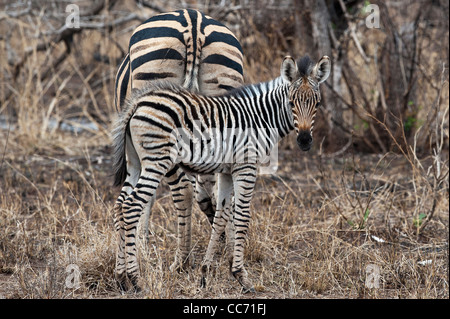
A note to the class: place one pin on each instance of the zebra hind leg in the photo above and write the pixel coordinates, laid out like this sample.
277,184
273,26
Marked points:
127,188
120,270
132,208
204,195
182,194
224,191
144,232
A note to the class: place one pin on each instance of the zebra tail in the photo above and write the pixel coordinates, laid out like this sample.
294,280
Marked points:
119,158
119,137
191,78
192,64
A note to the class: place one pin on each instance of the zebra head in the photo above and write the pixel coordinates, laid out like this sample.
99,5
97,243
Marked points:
304,94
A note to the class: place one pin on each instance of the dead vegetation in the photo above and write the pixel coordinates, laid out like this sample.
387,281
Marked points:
373,192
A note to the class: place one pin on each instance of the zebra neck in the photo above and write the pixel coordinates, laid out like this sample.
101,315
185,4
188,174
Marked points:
275,107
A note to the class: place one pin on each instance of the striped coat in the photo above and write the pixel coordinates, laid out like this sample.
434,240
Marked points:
185,47
190,49
229,134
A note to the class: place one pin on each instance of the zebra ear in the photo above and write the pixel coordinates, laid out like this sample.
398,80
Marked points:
289,70
322,69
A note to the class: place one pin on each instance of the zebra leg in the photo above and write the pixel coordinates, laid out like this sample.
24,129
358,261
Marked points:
145,221
182,195
133,171
204,195
244,179
224,191
230,231
120,269
132,208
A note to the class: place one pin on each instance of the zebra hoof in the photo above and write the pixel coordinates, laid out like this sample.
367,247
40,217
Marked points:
135,286
203,282
121,280
122,285
125,286
250,290
205,270
242,277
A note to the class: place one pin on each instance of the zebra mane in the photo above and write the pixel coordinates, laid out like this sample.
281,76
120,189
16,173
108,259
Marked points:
254,89
243,91
305,66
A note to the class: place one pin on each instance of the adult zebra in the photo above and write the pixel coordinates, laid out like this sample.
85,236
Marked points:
191,49
185,47
240,127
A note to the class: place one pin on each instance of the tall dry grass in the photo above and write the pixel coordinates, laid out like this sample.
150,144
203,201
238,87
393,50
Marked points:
301,242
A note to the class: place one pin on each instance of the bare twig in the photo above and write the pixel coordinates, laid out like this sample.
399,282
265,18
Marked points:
16,14
65,29
150,5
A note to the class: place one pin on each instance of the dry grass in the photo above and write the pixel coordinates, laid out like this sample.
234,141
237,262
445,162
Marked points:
316,226
309,236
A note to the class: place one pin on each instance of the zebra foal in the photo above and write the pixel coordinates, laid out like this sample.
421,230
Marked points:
167,125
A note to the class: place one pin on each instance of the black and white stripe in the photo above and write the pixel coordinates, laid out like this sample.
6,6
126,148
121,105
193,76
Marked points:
188,48
168,125
185,47
191,49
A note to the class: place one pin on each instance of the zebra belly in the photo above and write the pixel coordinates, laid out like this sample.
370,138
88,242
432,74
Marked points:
205,169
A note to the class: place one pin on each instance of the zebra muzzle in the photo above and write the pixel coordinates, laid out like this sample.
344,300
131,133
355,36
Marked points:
304,140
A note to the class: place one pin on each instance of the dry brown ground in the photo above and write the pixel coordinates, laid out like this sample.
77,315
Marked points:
316,227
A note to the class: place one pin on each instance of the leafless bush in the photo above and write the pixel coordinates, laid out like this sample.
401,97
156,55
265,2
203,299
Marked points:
389,74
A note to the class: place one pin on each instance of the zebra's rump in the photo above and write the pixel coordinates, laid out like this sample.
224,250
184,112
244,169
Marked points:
187,48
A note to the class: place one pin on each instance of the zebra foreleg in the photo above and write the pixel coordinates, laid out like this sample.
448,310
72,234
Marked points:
230,231
244,180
